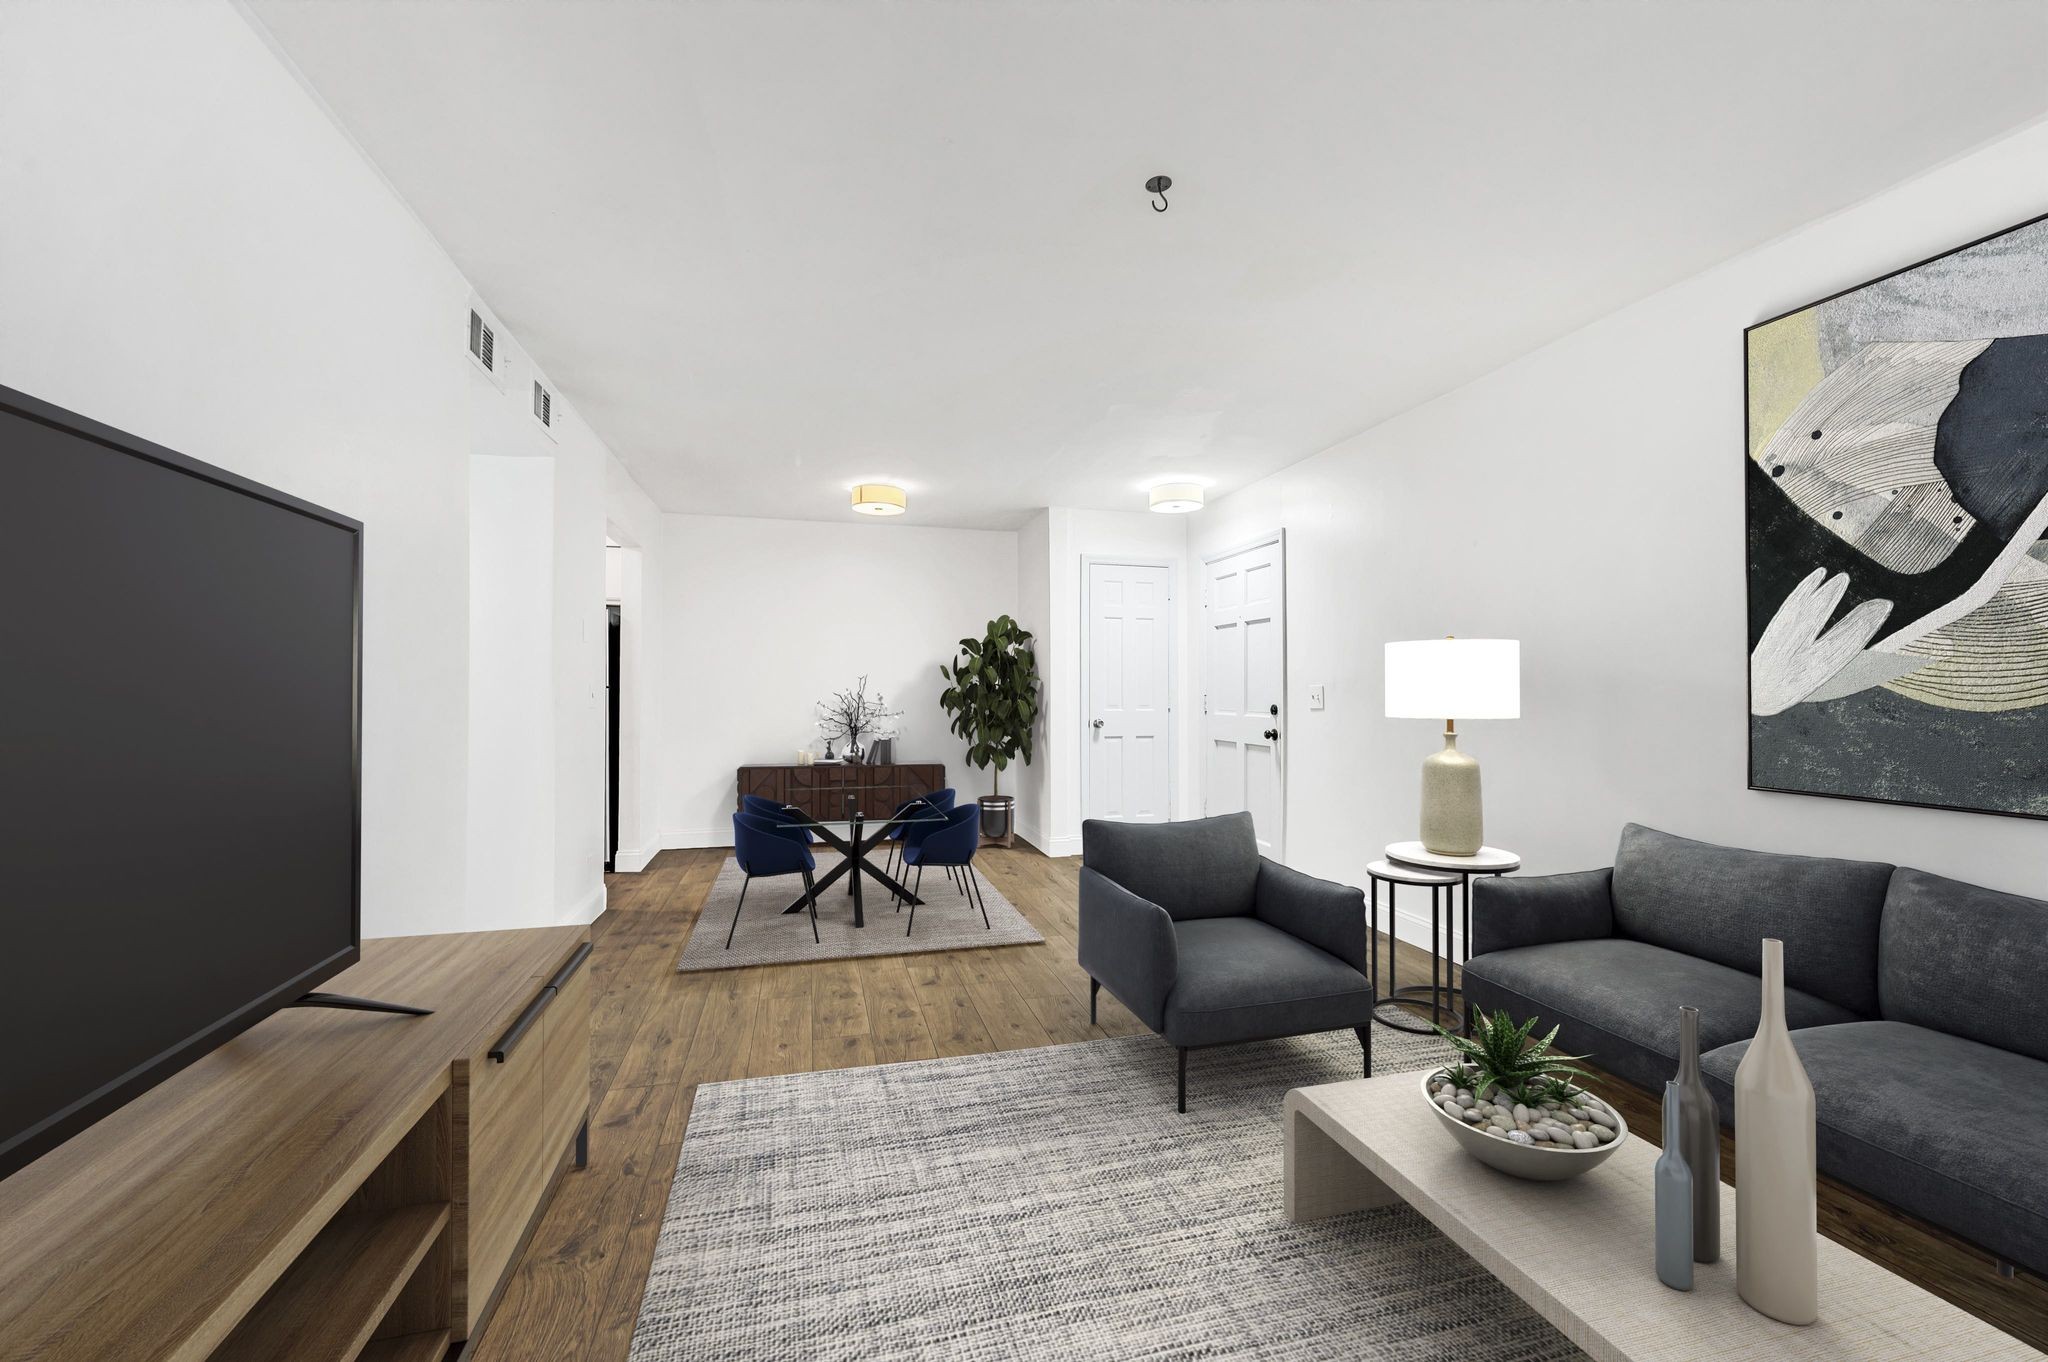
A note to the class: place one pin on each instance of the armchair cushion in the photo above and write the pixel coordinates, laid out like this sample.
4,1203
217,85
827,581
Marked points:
1243,979
1207,867
1127,944
1329,916
1539,909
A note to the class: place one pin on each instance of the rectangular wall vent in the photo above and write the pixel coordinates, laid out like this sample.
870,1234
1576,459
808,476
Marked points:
483,343
543,405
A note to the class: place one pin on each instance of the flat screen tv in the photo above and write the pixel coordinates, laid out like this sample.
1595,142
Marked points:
180,705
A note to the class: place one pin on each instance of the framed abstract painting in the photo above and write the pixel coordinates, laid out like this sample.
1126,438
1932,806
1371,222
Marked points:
1896,476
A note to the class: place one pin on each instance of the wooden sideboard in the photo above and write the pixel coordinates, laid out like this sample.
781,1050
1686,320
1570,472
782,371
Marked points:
828,791
328,1185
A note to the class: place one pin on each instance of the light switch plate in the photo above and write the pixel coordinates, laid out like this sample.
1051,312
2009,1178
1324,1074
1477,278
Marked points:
1315,697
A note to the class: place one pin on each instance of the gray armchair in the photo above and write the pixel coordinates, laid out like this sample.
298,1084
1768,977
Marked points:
1210,943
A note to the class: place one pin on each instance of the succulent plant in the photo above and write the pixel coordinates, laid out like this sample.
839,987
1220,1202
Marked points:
1500,1057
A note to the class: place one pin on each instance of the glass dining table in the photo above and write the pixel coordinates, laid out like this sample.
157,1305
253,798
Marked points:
862,836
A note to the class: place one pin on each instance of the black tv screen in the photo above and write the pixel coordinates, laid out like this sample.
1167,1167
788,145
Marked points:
179,754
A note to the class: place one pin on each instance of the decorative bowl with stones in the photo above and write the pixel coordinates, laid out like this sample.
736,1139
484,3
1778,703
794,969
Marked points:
1545,1142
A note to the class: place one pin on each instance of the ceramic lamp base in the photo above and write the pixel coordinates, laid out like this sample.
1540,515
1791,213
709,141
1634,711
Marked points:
1451,822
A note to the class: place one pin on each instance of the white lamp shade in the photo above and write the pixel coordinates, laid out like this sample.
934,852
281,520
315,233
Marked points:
1455,678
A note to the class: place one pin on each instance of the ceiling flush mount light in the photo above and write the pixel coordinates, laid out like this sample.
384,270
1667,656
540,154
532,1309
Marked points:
879,498
1176,498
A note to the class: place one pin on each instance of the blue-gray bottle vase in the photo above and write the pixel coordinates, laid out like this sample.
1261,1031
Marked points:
1699,1140
1674,1203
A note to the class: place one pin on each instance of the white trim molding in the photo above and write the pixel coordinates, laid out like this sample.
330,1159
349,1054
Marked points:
633,862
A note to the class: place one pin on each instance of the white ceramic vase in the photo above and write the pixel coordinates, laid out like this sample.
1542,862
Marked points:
1776,1248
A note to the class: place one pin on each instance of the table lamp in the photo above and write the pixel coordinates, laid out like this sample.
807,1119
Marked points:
1452,679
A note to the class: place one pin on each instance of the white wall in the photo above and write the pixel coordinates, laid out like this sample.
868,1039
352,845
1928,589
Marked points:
632,518
1588,500
511,691
192,251
760,619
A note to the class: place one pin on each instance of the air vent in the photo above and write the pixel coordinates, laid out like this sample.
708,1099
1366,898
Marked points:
543,406
483,342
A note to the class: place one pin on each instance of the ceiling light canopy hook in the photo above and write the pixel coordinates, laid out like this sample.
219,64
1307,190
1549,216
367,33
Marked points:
1159,184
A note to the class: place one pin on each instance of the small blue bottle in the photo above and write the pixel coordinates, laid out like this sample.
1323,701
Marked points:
1674,1201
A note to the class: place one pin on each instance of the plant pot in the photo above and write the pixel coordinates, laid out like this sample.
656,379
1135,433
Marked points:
1537,1163
998,819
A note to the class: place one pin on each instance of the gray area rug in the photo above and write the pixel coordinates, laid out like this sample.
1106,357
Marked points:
946,922
1050,1203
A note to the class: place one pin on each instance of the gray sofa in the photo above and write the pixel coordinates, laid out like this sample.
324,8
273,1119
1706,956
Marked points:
1912,999
1210,943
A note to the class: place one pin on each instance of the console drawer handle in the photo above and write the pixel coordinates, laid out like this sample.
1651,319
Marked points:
538,1005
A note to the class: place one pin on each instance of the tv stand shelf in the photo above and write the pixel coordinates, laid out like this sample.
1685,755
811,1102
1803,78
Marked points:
328,1185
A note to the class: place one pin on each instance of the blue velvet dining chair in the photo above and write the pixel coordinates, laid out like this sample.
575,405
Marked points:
951,844
765,850
939,800
779,814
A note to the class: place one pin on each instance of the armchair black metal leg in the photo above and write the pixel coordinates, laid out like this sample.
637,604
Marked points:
736,911
917,892
1094,987
1183,1099
1365,1044
811,897
979,901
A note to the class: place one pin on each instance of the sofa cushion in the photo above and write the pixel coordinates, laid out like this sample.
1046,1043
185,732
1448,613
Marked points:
1936,1125
1241,979
1719,903
1617,1001
1204,867
1964,959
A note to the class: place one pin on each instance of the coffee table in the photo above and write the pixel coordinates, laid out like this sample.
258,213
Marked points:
1580,1252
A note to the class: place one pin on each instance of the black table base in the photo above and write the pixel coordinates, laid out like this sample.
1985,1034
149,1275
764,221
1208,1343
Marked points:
854,848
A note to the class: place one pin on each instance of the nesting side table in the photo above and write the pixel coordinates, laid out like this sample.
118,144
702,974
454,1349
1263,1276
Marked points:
1440,885
1455,930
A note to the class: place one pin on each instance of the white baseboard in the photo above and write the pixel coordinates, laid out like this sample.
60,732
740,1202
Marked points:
684,839
633,862
1059,846
587,911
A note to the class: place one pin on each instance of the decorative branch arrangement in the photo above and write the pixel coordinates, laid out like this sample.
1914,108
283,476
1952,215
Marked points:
853,714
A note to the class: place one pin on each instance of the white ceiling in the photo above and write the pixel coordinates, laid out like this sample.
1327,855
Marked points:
769,249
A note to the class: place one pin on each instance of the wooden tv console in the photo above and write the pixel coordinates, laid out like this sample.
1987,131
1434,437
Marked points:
327,1185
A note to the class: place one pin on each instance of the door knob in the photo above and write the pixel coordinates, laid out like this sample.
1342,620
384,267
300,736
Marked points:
1272,735
1098,723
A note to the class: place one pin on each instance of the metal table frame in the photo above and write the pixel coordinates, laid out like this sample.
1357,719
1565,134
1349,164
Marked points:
854,848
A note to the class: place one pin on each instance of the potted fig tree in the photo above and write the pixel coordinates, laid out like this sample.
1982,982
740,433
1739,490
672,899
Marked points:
991,697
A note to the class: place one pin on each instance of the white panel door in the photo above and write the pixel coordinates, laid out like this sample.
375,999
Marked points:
1129,682
1244,687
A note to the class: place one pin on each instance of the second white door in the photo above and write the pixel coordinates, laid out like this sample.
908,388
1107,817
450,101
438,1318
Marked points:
1129,689
1244,685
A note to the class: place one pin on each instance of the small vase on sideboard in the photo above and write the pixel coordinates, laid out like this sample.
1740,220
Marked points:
1699,1140
1777,1256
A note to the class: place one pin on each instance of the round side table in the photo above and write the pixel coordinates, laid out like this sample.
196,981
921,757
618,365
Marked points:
1486,861
1437,991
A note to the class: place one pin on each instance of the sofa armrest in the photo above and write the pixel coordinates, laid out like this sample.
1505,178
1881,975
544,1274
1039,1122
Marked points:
1127,944
1327,915
1535,910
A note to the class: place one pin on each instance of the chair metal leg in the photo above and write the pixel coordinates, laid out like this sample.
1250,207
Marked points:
1365,1044
811,898
1094,987
736,911
1183,1099
979,901
917,891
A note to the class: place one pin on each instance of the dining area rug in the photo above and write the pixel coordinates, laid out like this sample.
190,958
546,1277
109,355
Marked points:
947,921
1051,1203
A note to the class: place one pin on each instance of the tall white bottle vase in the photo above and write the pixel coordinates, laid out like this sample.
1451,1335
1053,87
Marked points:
1776,1246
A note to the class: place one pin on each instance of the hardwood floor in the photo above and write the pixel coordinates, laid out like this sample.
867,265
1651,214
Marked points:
658,1034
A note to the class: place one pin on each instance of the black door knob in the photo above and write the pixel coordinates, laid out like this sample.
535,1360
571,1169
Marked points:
1272,735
